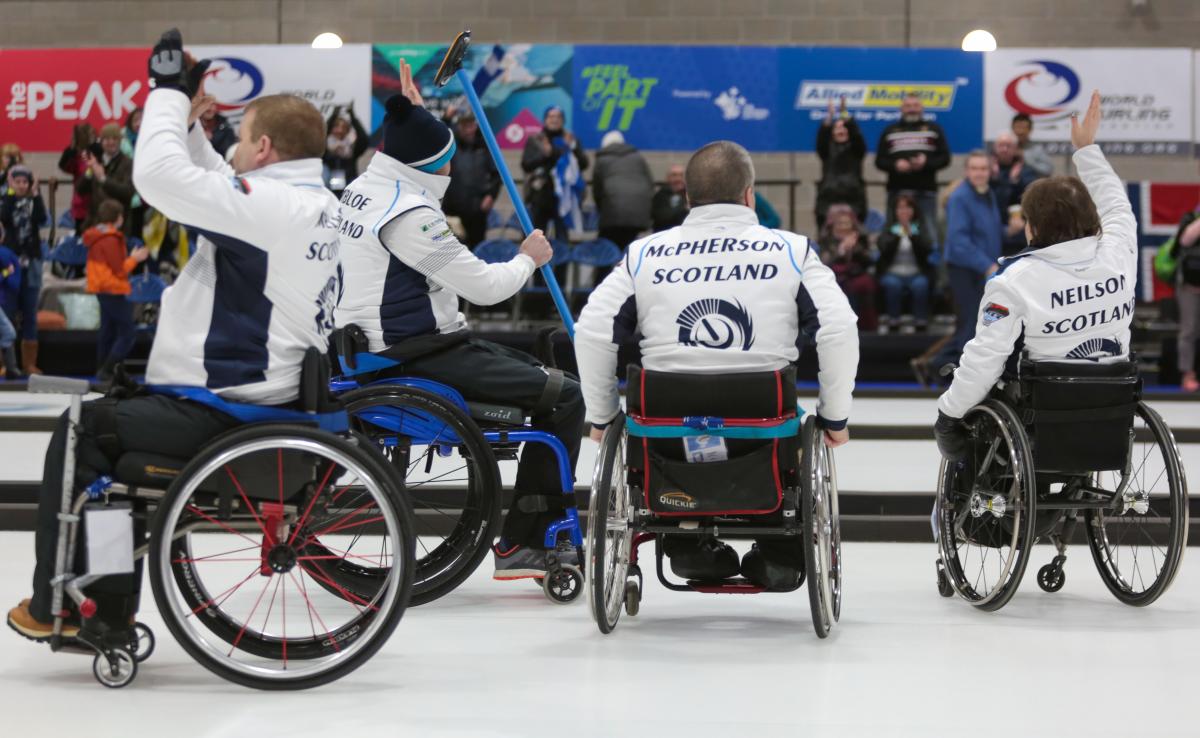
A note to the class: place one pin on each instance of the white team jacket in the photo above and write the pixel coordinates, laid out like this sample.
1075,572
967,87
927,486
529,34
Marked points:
265,279
405,269
719,294
1072,301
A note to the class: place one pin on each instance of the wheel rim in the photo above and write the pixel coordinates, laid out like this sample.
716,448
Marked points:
979,572
116,674
291,627
835,538
1137,545
611,544
821,528
429,475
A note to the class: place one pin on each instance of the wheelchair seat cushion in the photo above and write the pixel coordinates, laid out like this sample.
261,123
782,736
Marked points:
139,469
749,480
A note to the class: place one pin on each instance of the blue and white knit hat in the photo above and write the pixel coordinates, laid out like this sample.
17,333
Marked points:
413,136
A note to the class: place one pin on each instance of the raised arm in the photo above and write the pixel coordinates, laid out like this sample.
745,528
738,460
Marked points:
1117,224
825,314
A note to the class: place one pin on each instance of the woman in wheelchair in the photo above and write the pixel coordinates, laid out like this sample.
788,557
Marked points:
721,306
1061,433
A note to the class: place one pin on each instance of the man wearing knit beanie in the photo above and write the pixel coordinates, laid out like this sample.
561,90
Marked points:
405,271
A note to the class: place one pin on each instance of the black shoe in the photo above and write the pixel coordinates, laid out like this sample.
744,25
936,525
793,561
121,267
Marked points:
704,559
775,565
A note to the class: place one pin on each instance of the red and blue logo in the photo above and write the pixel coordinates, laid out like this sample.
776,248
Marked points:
233,81
1043,92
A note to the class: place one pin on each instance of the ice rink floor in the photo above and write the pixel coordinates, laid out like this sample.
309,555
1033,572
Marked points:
497,659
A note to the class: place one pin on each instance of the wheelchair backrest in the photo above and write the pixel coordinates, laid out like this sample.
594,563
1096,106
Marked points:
1079,414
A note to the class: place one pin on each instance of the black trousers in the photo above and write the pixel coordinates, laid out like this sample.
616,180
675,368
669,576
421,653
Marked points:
117,331
152,424
488,372
967,286
474,227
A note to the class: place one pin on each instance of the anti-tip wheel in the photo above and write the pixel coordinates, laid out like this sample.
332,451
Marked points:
633,598
115,669
1051,578
563,585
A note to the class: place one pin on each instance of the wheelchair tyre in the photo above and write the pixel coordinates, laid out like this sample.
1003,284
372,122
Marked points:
1002,461
633,598
563,584
115,668
1051,578
945,589
609,536
207,547
1138,551
474,521
821,529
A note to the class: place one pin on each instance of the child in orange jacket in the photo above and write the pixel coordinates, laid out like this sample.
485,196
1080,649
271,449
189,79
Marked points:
108,268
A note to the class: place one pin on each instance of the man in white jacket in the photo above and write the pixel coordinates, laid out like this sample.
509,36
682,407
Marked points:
1070,296
405,271
259,291
721,294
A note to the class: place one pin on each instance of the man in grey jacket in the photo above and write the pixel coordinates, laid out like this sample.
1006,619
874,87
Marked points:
623,189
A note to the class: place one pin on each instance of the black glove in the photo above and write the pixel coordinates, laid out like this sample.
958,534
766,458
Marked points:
195,76
167,66
951,435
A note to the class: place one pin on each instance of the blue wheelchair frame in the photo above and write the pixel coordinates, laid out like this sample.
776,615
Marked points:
423,429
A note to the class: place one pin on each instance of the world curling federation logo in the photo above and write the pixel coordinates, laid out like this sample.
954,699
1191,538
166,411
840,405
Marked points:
716,324
1043,92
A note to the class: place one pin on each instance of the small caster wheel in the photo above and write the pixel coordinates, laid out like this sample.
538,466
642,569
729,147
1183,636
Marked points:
115,668
943,581
633,598
142,643
1051,578
563,584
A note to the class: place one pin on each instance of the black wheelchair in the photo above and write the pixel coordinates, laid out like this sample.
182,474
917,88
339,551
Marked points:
1057,444
242,541
777,483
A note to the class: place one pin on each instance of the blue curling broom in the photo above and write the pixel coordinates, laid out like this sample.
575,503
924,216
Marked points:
452,67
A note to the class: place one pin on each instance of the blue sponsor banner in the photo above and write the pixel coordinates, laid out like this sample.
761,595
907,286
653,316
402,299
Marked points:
677,97
874,81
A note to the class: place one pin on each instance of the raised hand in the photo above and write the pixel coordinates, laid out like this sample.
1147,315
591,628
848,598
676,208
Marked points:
408,87
1084,133
166,64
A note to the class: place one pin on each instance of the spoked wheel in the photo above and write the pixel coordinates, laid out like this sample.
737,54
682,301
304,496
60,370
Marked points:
1138,543
986,508
821,527
450,476
609,538
237,575
115,668
142,642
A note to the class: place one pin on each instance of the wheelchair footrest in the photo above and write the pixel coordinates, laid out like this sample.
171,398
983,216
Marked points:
730,586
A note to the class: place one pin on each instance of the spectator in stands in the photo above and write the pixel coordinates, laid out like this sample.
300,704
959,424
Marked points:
10,289
670,205
10,156
623,189
221,135
74,163
474,181
110,173
912,151
768,216
845,248
1178,263
1009,179
554,162
347,141
842,148
974,236
903,265
1037,161
22,214
137,209
108,267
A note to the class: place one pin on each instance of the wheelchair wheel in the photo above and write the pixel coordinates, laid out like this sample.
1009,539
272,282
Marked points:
115,668
609,538
821,529
1137,546
986,508
233,563
449,475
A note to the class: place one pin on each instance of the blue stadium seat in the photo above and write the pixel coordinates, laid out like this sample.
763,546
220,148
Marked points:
66,221
70,251
494,220
496,250
146,288
875,221
598,253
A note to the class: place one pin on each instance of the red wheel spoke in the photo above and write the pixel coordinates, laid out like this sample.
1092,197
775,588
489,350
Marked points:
226,594
316,493
214,556
245,499
313,611
271,605
222,526
246,622
339,528
346,594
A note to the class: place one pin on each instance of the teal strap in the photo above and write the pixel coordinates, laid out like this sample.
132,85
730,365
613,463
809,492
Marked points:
786,429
